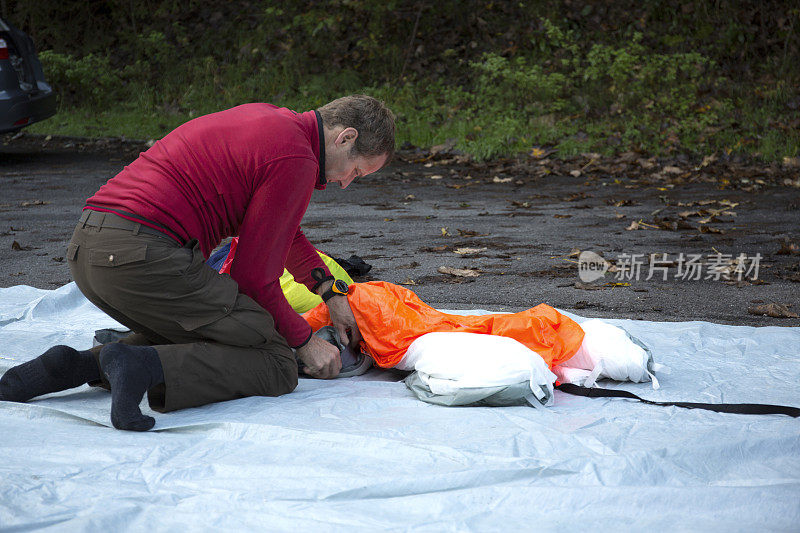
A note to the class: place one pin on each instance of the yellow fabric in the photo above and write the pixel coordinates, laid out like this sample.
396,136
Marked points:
299,297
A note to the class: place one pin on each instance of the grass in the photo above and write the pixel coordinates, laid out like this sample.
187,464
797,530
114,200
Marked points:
127,123
752,124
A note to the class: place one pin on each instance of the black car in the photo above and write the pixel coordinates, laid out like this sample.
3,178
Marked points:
25,97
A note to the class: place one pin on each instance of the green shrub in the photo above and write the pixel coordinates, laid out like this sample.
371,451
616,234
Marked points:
87,81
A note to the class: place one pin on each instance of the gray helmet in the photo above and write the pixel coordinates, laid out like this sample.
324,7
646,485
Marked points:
353,363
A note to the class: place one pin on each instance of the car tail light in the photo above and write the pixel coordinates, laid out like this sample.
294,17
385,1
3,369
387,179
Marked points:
22,121
3,49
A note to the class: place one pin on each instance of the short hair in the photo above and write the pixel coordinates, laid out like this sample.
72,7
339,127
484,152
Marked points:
369,116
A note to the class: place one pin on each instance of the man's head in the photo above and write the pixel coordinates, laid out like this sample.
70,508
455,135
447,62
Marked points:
359,137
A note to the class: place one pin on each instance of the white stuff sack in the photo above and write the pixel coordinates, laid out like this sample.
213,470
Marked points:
609,352
451,364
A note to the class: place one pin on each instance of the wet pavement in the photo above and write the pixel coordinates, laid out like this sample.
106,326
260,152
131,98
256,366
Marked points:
500,236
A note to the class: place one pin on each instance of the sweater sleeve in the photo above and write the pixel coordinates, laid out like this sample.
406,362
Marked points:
302,259
268,230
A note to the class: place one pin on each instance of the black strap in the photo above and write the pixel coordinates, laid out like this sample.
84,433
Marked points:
319,275
736,408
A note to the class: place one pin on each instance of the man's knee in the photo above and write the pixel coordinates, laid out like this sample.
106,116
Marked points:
286,374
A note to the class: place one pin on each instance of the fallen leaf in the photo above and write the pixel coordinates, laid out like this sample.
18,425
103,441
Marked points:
707,160
574,197
647,163
709,229
445,233
33,202
515,203
459,272
409,281
575,173
410,197
634,225
672,170
538,153
775,310
446,146
388,219
793,162
618,203
788,248
16,246
468,251
498,179
470,233
561,216
436,177
618,215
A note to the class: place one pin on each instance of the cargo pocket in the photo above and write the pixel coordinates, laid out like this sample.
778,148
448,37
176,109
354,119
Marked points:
247,325
117,257
72,251
210,296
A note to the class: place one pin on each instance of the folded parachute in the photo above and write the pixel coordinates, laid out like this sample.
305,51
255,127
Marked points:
391,317
457,368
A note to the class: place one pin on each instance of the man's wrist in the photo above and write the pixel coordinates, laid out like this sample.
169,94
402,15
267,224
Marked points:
337,288
320,277
323,287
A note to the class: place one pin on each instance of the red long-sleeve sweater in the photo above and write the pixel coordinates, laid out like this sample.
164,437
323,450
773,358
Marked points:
248,171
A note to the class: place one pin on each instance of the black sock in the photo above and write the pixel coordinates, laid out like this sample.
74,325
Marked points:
59,368
132,371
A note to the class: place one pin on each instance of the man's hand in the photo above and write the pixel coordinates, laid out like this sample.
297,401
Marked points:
321,358
342,318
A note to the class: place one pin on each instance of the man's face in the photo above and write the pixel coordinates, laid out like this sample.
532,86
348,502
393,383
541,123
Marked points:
341,166
347,168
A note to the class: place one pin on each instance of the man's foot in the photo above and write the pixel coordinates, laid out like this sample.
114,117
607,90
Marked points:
132,371
59,368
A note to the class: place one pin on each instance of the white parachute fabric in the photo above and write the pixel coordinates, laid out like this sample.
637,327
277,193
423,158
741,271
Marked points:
458,368
608,351
365,454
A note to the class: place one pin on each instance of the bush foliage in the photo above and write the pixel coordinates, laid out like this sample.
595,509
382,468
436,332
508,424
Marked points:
498,77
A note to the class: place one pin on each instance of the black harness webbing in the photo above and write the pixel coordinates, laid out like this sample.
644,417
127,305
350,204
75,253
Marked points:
736,408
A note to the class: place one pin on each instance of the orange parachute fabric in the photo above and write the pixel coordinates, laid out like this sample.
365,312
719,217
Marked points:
391,317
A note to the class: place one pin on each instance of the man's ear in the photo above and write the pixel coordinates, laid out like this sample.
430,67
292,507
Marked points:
347,135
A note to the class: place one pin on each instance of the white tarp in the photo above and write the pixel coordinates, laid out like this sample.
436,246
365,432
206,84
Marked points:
365,454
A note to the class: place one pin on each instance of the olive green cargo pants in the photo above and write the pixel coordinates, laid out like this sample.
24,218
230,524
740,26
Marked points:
214,343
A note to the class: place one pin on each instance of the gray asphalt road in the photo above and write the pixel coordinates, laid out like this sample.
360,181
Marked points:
410,219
